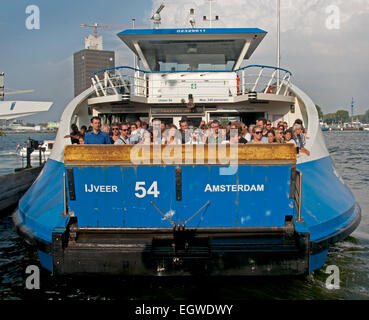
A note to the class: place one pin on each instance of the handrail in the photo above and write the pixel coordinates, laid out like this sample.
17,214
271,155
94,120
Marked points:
194,71
120,67
136,82
263,66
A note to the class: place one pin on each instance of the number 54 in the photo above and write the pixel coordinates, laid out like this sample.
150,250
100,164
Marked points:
140,187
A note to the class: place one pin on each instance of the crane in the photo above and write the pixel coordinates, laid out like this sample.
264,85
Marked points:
3,94
2,88
101,25
19,91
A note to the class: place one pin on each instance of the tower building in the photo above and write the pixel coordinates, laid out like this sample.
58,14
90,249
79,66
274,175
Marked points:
90,60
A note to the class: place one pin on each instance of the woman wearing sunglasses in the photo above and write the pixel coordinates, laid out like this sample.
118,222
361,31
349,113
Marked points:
257,134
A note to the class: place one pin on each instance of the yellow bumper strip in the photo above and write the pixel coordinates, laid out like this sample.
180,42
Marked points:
97,155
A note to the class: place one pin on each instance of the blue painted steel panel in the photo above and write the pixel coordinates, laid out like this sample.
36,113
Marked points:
327,203
46,260
262,199
317,260
236,208
42,206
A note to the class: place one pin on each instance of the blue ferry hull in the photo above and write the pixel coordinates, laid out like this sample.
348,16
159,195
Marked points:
329,213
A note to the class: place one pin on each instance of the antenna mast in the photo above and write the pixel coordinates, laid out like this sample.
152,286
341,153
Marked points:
192,18
2,76
210,13
352,110
210,16
134,55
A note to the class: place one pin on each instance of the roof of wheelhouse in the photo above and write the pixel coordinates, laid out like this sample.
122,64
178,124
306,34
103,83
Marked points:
192,48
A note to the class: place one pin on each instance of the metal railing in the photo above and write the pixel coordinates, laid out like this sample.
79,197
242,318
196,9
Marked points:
264,79
128,82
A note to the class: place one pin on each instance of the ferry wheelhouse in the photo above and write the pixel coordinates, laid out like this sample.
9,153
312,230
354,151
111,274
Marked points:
198,209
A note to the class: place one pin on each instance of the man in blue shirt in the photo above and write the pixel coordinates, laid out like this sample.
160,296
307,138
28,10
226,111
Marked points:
96,136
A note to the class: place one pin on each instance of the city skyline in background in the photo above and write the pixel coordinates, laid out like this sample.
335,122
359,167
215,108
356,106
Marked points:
323,43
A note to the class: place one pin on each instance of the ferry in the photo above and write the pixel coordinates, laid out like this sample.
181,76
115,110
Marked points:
44,146
253,209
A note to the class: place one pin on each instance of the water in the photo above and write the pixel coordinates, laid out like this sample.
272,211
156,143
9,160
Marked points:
8,155
349,150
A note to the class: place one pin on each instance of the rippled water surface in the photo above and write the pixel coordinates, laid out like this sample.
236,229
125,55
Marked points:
350,152
8,145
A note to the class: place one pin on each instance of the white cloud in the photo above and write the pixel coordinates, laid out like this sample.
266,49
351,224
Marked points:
300,15
329,64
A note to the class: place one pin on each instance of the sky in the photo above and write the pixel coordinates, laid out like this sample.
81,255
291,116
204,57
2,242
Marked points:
324,43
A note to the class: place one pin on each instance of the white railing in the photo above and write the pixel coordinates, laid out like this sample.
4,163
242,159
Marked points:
129,82
264,79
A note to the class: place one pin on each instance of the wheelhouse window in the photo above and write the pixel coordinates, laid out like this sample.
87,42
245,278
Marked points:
194,55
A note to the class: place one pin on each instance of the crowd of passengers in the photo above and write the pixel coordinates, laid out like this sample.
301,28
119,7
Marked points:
214,132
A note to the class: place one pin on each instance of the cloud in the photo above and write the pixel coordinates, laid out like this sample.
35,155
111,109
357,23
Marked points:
329,64
298,15
323,42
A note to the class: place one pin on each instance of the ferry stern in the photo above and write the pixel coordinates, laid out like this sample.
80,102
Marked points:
191,209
